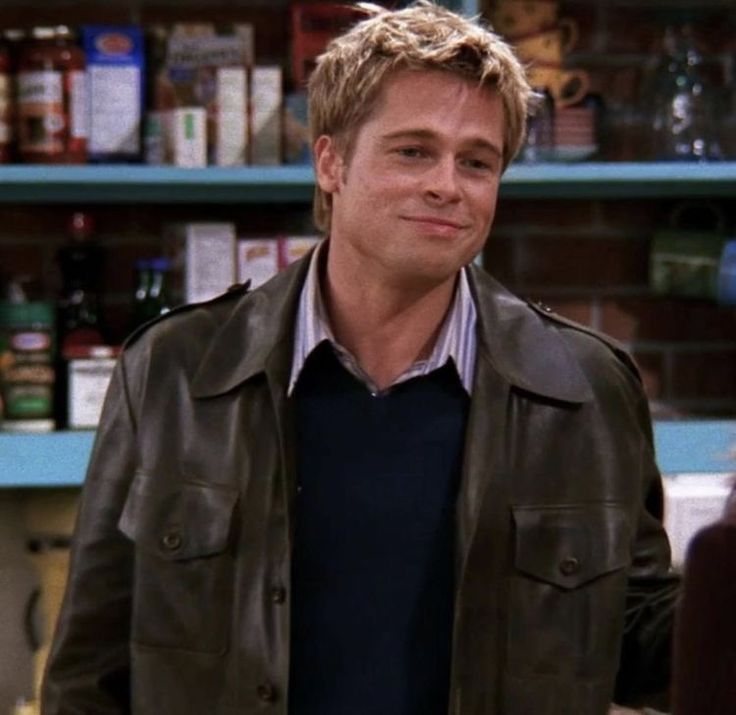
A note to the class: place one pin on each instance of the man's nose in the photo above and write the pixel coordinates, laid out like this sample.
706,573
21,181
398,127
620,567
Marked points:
442,181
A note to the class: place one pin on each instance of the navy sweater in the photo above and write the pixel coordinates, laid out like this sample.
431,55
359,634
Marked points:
373,562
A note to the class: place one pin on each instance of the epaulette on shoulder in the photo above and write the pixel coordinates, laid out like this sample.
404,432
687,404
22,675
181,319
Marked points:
233,292
614,345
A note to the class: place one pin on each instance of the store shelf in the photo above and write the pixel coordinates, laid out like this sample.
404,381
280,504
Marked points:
620,180
282,184
59,459
56,459
131,184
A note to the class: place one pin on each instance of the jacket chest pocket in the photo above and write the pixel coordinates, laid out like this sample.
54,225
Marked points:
183,582
567,591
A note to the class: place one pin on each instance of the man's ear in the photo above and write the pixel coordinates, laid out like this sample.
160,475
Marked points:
328,164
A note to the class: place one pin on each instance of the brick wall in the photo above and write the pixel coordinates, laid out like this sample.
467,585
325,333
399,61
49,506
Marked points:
589,261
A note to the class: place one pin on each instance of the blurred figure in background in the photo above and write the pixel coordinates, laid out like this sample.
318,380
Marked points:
704,677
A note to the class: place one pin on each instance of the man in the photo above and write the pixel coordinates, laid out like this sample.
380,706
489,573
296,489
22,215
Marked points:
379,484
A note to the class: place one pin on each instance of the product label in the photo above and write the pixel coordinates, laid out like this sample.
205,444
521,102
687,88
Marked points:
213,51
41,117
190,136
27,374
112,44
5,109
115,110
266,115
88,383
30,341
231,123
78,104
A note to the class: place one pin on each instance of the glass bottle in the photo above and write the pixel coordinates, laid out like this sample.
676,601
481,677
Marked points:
151,297
81,261
683,111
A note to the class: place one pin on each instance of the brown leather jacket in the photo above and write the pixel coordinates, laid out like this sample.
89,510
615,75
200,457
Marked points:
178,598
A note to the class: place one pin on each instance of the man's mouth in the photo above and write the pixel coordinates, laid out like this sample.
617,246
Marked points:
436,221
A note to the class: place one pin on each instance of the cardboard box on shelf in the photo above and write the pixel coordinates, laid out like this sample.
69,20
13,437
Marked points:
692,501
266,115
292,248
90,370
258,260
204,258
115,67
204,65
187,127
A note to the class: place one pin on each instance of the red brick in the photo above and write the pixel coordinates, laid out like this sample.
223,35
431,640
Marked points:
631,217
704,375
77,13
117,321
498,256
572,262
119,273
631,29
18,260
579,309
651,367
547,214
667,319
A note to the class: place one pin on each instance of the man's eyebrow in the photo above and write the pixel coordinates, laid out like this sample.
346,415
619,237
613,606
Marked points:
426,134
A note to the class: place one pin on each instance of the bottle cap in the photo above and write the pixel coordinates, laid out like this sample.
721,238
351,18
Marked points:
160,264
81,226
43,33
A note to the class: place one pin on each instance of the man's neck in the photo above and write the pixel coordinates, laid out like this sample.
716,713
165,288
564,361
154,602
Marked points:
386,326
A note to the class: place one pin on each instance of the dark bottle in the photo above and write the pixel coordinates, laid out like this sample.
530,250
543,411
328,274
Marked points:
151,297
81,261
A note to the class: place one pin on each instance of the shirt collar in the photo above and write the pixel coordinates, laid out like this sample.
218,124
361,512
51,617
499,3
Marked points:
457,338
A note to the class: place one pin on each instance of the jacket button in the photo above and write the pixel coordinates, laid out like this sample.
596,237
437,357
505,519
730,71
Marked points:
266,692
569,566
277,594
171,540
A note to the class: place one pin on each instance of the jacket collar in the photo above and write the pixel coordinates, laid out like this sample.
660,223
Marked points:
524,348
257,337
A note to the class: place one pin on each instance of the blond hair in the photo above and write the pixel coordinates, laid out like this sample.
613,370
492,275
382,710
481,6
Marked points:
346,83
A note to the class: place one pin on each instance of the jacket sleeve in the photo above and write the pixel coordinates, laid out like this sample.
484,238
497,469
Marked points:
88,668
645,665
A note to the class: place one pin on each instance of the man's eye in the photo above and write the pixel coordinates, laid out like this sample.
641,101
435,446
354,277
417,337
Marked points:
478,165
411,152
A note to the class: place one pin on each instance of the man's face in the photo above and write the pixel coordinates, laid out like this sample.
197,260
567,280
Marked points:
416,198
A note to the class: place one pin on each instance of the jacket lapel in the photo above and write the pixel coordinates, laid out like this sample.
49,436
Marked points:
523,347
257,336
516,351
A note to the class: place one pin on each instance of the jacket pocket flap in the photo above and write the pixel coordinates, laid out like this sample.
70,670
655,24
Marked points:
570,545
188,521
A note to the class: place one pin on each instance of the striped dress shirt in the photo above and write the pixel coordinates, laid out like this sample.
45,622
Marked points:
456,341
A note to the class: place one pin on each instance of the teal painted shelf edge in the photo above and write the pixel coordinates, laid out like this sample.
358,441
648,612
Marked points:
166,184
55,459
59,459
